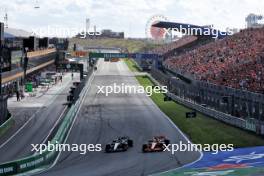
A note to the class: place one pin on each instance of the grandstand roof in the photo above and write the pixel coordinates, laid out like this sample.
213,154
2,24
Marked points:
13,33
179,26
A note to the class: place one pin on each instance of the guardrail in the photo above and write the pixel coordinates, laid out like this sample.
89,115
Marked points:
229,119
137,64
47,157
210,112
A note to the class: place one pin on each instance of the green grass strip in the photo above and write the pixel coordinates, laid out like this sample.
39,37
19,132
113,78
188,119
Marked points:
202,129
132,65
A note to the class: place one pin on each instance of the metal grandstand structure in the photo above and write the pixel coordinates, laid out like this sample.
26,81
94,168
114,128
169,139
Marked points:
190,29
253,20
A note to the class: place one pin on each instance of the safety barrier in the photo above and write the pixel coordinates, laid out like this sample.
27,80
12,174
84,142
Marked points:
211,112
229,119
197,93
47,157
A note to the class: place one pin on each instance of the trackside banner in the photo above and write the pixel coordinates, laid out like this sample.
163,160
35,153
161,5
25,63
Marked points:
124,55
242,162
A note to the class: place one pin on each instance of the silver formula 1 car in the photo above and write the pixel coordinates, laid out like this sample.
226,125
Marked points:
121,144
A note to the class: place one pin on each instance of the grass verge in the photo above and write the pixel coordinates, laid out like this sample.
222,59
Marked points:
132,45
132,65
202,129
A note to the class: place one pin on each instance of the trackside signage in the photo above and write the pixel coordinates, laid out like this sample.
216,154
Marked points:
239,162
8,169
124,55
31,163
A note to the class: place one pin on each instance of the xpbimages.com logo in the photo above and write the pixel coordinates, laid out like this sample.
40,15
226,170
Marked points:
183,147
131,89
58,147
164,31
56,30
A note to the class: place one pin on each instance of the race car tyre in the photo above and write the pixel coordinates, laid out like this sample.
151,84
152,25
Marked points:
167,141
144,147
130,143
107,148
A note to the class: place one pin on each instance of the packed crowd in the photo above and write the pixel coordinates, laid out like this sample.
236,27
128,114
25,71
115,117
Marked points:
171,46
236,61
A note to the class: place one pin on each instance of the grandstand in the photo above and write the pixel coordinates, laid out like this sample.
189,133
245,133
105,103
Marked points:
168,48
236,61
224,74
182,45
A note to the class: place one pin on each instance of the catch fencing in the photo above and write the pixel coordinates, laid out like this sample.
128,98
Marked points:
240,108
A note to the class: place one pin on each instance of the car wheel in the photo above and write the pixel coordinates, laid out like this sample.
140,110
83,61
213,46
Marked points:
167,141
144,147
107,148
130,143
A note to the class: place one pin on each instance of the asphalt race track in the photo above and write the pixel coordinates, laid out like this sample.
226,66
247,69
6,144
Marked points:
36,130
103,118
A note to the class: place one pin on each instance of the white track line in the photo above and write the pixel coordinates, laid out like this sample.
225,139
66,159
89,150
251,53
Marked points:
32,117
174,125
20,128
65,108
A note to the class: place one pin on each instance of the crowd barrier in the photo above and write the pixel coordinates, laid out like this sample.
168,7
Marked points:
187,94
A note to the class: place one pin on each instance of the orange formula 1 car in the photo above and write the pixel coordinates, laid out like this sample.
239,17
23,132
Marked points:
157,144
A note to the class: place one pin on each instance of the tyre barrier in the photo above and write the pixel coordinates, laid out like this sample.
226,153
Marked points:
47,157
